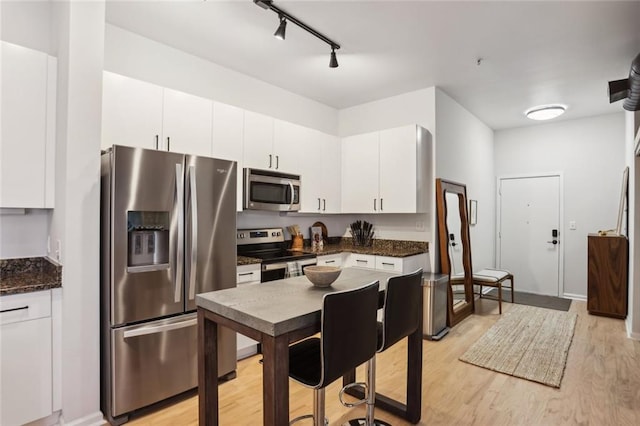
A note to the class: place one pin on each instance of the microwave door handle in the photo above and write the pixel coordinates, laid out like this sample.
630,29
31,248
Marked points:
291,187
194,232
177,296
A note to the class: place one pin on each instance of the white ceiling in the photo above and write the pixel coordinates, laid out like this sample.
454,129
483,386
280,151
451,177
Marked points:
536,52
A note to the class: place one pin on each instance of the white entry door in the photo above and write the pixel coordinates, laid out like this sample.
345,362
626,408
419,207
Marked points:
529,243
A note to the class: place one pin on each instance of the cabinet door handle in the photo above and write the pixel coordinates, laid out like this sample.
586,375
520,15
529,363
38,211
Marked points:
277,161
362,261
157,141
329,261
244,274
14,309
324,204
387,263
318,203
168,143
374,205
381,204
270,160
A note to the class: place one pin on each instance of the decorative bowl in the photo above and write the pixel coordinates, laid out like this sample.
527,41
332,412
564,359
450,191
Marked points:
322,276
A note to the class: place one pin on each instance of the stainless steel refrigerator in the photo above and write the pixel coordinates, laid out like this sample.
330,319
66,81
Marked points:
168,232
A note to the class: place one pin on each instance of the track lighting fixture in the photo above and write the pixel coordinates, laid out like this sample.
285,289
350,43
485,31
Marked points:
333,62
282,28
284,17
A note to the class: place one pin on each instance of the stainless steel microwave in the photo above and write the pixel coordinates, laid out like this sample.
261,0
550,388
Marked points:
270,190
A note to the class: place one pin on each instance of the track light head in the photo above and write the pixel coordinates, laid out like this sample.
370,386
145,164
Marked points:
333,62
282,28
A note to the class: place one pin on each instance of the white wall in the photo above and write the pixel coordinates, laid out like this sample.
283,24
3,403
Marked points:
24,234
633,316
26,23
464,154
79,31
139,57
590,152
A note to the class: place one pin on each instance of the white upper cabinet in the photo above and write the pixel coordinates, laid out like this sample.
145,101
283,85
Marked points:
320,160
228,135
287,146
397,168
131,112
386,171
27,138
186,123
331,174
140,114
258,141
271,144
360,173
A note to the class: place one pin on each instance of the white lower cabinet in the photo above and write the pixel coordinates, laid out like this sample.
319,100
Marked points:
247,274
402,265
331,260
26,354
361,260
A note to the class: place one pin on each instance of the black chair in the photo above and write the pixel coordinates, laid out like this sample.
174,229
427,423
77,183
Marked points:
402,313
348,338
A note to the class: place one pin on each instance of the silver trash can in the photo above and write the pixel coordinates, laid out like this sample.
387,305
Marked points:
434,290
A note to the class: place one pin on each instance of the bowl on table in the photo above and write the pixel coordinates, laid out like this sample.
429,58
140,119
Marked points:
322,276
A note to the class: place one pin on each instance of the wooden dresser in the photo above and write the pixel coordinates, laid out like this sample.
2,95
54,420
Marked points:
607,276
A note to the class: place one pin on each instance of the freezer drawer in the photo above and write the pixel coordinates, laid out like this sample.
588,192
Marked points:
152,362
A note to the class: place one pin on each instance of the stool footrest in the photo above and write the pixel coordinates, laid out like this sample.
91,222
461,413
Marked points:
363,422
347,388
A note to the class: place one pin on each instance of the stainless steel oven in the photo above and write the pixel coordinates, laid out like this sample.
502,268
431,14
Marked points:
269,190
280,269
278,261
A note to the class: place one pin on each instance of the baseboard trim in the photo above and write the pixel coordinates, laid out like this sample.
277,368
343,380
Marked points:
631,334
575,296
94,419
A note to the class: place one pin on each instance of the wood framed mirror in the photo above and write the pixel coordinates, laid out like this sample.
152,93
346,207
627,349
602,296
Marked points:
455,248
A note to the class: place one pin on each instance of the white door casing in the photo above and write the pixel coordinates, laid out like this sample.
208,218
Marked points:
529,208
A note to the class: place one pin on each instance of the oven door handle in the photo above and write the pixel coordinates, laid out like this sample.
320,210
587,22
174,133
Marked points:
274,266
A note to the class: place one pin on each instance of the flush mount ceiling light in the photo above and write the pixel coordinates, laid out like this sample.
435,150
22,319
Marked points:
284,17
545,112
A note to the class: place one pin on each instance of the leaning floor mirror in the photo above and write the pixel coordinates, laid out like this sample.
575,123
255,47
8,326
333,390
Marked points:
455,248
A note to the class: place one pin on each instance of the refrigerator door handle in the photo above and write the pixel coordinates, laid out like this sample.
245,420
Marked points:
144,331
194,232
177,296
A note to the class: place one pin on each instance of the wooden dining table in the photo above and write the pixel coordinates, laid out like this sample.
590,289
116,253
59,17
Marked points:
276,314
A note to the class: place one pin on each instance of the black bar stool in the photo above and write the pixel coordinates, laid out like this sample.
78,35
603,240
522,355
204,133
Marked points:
401,317
348,338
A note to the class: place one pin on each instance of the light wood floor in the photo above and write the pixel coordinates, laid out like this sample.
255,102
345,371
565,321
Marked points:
601,385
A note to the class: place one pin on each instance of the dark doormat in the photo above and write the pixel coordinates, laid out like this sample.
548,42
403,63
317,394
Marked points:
521,298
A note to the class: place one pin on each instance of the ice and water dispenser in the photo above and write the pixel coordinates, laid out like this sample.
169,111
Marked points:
148,241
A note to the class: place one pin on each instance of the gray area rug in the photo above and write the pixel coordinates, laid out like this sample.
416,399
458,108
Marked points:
530,299
526,342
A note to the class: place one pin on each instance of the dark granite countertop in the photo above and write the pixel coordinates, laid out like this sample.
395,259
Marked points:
28,275
391,248
244,260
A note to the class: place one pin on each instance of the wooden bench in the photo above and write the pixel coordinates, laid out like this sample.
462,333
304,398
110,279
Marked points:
494,278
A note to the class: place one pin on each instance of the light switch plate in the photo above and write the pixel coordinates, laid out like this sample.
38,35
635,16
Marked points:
572,225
